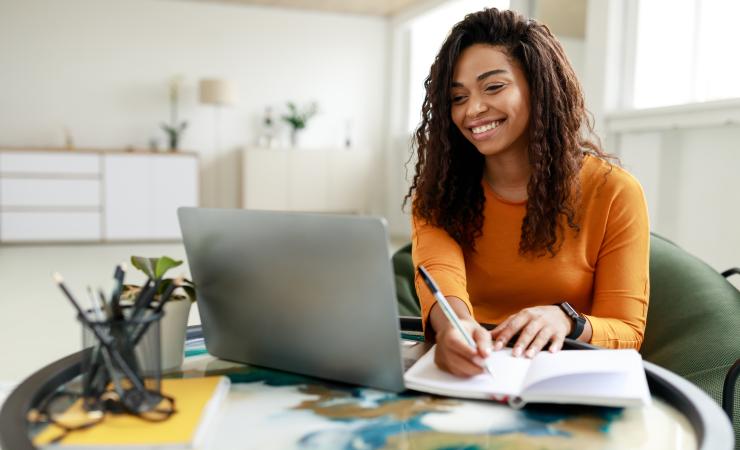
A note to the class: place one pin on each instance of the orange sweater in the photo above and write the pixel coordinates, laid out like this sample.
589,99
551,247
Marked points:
602,270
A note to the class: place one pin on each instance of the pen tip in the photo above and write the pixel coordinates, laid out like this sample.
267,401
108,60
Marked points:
124,267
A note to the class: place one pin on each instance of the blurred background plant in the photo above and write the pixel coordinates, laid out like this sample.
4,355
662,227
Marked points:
175,128
298,118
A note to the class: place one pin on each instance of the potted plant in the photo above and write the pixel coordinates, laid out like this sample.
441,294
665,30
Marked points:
175,128
173,324
298,119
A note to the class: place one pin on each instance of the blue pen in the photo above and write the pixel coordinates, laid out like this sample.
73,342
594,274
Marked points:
449,312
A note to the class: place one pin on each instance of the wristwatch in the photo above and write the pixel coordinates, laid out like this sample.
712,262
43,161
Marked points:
578,320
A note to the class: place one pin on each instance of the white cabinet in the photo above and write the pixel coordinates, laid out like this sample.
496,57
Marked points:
143,192
50,196
94,195
306,180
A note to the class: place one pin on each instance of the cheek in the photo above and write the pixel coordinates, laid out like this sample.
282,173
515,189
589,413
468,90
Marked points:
458,118
521,110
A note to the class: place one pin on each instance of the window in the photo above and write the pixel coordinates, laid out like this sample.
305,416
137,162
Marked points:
685,52
426,34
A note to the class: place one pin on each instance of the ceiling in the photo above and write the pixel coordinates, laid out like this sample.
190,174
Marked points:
370,7
566,18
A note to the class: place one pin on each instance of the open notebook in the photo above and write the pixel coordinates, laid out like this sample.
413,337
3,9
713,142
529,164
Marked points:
588,377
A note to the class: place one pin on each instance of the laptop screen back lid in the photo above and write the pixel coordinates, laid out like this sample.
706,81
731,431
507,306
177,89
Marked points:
306,293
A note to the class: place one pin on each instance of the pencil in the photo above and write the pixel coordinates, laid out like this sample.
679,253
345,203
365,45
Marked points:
449,312
117,356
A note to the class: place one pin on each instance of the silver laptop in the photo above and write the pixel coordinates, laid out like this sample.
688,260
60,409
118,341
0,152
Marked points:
306,293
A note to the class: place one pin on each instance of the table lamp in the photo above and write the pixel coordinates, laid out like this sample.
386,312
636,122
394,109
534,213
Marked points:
217,92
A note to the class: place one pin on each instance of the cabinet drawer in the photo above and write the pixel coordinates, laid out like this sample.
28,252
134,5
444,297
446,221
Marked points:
37,192
49,163
49,226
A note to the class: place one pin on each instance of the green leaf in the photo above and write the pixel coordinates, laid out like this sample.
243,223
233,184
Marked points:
163,264
144,264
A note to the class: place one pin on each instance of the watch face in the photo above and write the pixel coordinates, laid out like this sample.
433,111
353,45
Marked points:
569,310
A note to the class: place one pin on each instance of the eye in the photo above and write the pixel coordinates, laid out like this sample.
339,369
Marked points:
457,99
494,87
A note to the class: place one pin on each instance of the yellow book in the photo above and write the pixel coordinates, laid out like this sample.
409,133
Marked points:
196,402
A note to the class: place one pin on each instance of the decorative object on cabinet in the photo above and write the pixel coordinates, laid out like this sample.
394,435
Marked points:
56,195
69,142
267,138
298,119
175,128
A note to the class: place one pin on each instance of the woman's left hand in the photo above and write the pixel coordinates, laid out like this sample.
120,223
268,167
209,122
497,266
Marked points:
537,326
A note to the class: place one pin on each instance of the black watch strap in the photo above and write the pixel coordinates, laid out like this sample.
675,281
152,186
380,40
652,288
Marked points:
579,322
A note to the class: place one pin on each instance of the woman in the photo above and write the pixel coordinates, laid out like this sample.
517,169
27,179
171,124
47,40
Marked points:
517,214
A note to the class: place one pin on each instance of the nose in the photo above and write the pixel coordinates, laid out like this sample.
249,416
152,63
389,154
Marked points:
476,106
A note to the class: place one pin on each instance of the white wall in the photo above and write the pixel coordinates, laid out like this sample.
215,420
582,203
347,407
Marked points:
101,68
686,157
690,178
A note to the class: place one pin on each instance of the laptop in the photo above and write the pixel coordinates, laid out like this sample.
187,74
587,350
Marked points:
312,294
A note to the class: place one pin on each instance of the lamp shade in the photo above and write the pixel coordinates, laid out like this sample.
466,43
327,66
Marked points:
215,91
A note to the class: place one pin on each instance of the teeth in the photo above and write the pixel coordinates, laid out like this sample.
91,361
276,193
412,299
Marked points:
487,127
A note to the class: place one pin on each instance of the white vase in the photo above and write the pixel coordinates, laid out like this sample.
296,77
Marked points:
173,328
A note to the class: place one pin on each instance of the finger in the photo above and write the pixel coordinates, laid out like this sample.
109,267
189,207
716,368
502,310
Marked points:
514,325
483,342
526,336
457,343
542,338
457,365
498,328
557,342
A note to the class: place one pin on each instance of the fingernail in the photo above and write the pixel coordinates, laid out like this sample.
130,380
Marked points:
487,348
517,350
478,361
498,345
530,353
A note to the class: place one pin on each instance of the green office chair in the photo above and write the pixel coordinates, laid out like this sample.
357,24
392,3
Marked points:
693,323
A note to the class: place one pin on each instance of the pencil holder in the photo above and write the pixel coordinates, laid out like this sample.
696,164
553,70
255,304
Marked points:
124,364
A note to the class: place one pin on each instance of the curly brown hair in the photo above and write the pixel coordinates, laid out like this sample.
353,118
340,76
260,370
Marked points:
446,188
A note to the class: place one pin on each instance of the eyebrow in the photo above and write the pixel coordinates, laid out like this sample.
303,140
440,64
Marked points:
482,76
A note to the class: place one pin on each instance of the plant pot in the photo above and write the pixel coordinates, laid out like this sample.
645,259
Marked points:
173,328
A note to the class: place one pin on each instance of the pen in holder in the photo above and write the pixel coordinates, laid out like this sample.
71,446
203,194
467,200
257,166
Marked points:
122,371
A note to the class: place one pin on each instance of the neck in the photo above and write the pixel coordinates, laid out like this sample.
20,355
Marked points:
508,174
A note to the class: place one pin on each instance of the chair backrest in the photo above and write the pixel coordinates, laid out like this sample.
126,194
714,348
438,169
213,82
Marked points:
693,322
403,267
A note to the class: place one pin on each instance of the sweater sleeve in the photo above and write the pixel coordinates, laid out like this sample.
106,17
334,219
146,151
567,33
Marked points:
621,283
443,258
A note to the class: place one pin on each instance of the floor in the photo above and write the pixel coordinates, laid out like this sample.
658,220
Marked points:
37,323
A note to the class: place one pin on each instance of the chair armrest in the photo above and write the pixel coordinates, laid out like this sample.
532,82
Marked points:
728,390
729,272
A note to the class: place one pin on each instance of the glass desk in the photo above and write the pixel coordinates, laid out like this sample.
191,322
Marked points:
279,410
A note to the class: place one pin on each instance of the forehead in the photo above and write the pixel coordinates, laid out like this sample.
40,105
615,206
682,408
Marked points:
478,59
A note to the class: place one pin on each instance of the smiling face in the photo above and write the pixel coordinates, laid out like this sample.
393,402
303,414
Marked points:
489,99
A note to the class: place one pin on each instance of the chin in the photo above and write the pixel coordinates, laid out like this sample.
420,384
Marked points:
488,148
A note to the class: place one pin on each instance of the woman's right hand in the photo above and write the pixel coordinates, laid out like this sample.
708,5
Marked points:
453,354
